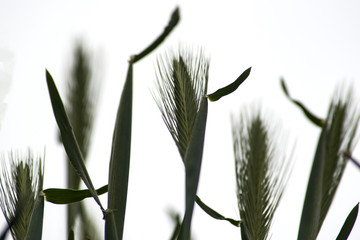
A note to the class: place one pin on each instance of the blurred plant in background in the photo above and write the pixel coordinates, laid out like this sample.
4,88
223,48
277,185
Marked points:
80,106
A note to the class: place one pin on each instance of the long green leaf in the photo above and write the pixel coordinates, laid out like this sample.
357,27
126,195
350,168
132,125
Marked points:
193,159
120,162
229,88
68,137
314,119
310,217
175,17
66,196
348,224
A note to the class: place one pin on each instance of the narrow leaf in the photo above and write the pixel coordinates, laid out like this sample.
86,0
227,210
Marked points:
68,137
348,224
314,119
66,196
229,88
175,17
193,159
211,212
310,217
120,162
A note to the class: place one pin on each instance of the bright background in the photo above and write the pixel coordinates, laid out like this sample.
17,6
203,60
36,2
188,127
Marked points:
314,45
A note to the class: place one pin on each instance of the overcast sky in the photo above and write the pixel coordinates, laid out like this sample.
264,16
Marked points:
314,45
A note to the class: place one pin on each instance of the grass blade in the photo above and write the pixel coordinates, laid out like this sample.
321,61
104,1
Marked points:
66,196
314,119
175,17
193,159
120,162
229,88
348,224
310,217
68,138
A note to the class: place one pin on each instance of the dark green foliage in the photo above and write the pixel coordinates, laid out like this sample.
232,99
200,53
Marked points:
66,196
174,20
314,119
120,163
348,224
229,88
70,144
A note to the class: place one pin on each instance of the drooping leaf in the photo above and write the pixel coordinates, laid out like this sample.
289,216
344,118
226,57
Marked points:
215,214
66,196
229,88
193,159
120,163
348,224
174,20
314,119
68,138
260,177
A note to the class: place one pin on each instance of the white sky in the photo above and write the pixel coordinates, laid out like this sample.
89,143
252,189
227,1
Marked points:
314,45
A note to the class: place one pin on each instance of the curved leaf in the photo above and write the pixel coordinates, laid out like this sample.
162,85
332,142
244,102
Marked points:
229,88
68,137
211,212
175,17
314,119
